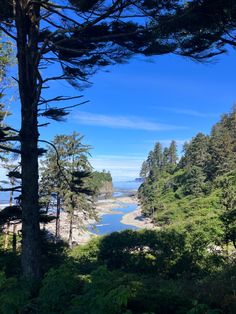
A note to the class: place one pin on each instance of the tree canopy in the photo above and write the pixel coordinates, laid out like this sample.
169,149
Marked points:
200,29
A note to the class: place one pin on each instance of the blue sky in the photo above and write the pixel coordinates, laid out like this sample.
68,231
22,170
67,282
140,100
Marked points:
134,105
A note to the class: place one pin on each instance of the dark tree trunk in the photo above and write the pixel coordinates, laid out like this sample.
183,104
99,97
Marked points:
7,236
47,207
11,193
14,239
27,54
71,228
58,217
30,208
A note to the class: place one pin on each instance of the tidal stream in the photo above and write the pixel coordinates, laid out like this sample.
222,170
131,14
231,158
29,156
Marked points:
112,222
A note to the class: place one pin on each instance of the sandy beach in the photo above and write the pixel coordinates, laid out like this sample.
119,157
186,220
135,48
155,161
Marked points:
136,218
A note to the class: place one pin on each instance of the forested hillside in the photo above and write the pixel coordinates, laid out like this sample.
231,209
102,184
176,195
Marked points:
197,193
102,183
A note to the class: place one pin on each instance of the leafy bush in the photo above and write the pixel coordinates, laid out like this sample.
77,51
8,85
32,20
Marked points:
106,292
14,295
58,289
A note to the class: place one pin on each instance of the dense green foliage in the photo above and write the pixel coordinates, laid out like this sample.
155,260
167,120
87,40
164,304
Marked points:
197,194
128,272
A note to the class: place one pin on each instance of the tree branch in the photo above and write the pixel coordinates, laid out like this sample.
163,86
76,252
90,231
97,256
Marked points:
60,14
76,105
12,150
59,98
10,139
16,188
7,33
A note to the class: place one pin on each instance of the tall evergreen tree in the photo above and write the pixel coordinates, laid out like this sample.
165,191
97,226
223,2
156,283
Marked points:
223,145
64,172
144,170
165,158
150,162
196,151
5,56
194,181
158,155
173,153
228,204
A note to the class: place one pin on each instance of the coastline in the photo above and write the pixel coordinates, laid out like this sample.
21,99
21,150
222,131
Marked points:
80,233
103,207
107,206
136,218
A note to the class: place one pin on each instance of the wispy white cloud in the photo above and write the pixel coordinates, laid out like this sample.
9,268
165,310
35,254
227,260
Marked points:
123,122
121,167
189,112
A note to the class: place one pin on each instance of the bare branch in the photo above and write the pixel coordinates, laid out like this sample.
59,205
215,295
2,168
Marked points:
59,98
7,33
53,5
52,23
8,128
53,78
16,188
60,14
73,106
44,124
116,7
228,41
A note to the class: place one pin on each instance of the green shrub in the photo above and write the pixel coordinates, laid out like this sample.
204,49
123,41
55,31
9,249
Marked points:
58,289
14,295
106,292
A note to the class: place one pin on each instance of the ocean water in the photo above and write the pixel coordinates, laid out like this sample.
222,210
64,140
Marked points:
124,188
120,186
